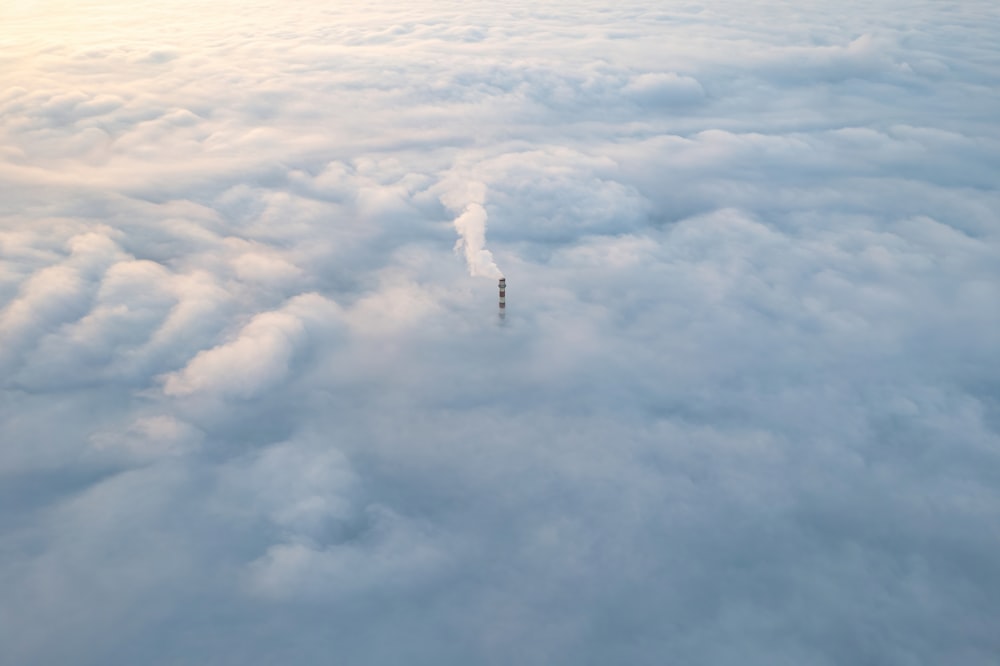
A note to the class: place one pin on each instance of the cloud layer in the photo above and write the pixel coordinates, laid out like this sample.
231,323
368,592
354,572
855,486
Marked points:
743,408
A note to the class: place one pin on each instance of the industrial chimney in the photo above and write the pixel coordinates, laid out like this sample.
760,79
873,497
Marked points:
503,297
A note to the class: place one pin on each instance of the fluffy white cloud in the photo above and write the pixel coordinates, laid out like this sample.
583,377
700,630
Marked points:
255,409
259,356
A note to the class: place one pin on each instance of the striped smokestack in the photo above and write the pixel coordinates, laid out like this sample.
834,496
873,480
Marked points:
503,297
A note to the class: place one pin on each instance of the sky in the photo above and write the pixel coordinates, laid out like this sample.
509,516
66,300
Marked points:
257,406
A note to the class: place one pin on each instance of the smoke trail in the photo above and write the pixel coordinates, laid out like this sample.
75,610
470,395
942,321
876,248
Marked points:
471,228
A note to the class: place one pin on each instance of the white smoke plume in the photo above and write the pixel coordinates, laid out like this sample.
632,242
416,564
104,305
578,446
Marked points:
471,227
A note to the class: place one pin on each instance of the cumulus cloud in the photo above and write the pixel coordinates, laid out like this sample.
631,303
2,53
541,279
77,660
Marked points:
664,88
259,355
151,436
256,409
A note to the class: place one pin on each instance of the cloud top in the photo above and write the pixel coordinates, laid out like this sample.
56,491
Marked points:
254,411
